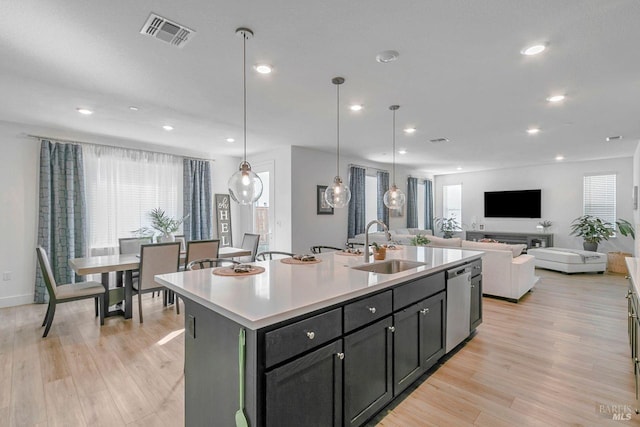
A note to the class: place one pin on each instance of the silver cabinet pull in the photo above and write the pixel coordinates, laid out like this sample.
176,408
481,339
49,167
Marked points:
340,355
633,315
473,286
372,310
392,328
311,335
424,311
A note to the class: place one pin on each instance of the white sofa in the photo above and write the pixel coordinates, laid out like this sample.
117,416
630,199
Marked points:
506,272
401,236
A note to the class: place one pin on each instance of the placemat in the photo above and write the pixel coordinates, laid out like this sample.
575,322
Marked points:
297,261
228,271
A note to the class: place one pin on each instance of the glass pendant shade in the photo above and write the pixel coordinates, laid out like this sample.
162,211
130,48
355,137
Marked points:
337,195
245,186
394,198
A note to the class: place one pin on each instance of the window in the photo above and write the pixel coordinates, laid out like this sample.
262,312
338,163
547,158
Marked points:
599,197
122,186
452,201
421,205
371,198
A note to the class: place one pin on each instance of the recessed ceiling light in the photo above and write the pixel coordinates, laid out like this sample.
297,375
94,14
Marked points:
533,50
356,107
402,151
133,108
230,140
84,111
556,98
533,131
410,130
558,158
263,68
459,168
167,128
387,56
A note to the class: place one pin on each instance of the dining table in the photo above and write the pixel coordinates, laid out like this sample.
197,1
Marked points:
122,296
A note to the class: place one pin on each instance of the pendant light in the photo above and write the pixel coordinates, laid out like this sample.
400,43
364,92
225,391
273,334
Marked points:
394,197
245,186
337,194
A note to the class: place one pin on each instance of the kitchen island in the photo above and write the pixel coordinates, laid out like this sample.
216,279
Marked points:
326,343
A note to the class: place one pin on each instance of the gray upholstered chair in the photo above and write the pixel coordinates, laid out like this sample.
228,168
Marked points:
183,241
65,293
131,245
250,242
269,255
200,249
318,249
159,258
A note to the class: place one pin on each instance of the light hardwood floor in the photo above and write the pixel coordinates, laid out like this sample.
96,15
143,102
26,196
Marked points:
550,360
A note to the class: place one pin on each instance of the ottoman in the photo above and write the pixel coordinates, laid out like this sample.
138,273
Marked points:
569,260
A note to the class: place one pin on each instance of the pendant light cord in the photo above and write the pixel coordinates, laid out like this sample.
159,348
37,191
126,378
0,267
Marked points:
338,129
394,147
244,89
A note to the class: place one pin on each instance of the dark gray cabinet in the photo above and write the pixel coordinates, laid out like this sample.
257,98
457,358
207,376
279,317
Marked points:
307,391
368,375
419,339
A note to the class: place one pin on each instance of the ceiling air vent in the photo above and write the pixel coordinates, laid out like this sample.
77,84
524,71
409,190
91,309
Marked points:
613,138
438,140
166,30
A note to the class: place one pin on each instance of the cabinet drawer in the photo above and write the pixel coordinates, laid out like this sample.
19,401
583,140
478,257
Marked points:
290,340
417,290
367,310
476,267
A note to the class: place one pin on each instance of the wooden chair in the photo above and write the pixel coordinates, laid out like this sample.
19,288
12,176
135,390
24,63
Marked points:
268,255
65,293
318,249
210,263
200,249
251,242
159,258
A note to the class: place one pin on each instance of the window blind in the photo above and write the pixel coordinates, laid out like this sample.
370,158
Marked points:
600,197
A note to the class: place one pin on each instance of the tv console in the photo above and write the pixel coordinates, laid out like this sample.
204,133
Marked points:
532,240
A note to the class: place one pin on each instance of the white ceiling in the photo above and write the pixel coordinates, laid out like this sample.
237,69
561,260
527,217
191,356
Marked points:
460,75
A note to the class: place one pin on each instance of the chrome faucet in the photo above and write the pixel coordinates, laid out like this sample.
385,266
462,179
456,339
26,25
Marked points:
366,236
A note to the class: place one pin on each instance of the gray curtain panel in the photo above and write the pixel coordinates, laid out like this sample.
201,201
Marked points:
357,205
383,186
412,203
428,204
62,222
197,202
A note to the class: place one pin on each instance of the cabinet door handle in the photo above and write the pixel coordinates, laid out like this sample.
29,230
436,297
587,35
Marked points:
424,311
372,310
476,267
473,286
392,328
633,315
340,356
311,335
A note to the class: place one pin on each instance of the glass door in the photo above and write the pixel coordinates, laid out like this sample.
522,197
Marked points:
263,215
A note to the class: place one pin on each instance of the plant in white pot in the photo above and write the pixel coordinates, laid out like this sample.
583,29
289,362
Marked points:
162,225
448,226
593,230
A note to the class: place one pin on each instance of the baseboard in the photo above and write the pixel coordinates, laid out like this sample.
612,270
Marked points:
15,300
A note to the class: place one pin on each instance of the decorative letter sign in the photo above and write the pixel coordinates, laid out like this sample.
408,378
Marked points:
223,213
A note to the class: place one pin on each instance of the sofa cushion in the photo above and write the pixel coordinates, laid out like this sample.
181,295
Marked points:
516,249
400,231
416,231
436,241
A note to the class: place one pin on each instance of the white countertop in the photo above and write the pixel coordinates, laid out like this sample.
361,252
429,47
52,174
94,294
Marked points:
285,291
633,265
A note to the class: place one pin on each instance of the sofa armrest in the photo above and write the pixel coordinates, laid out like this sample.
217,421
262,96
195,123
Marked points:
522,275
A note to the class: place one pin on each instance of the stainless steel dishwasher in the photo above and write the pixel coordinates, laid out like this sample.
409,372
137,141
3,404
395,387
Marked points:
458,306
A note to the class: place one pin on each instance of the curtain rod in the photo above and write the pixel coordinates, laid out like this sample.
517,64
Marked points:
368,167
114,146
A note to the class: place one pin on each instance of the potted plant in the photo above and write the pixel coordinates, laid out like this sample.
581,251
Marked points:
448,226
592,229
161,223
545,225
420,240
615,260
379,252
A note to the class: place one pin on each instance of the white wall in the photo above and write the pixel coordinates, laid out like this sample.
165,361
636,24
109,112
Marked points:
19,199
636,183
561,185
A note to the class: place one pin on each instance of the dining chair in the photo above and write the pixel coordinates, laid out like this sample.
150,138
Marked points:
183,241
66,293
268,255
199,249
130,245
318,249
250,242
158,258
199,264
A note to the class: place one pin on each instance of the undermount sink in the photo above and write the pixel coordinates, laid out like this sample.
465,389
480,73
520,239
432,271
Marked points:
390,267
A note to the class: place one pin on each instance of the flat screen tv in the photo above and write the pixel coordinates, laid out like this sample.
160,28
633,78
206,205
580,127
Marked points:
513,204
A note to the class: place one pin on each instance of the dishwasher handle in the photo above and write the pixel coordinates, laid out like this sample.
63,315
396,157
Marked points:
458,272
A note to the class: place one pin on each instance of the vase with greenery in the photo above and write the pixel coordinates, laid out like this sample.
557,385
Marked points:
546,224
592,229
161,224
448,226
420,240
